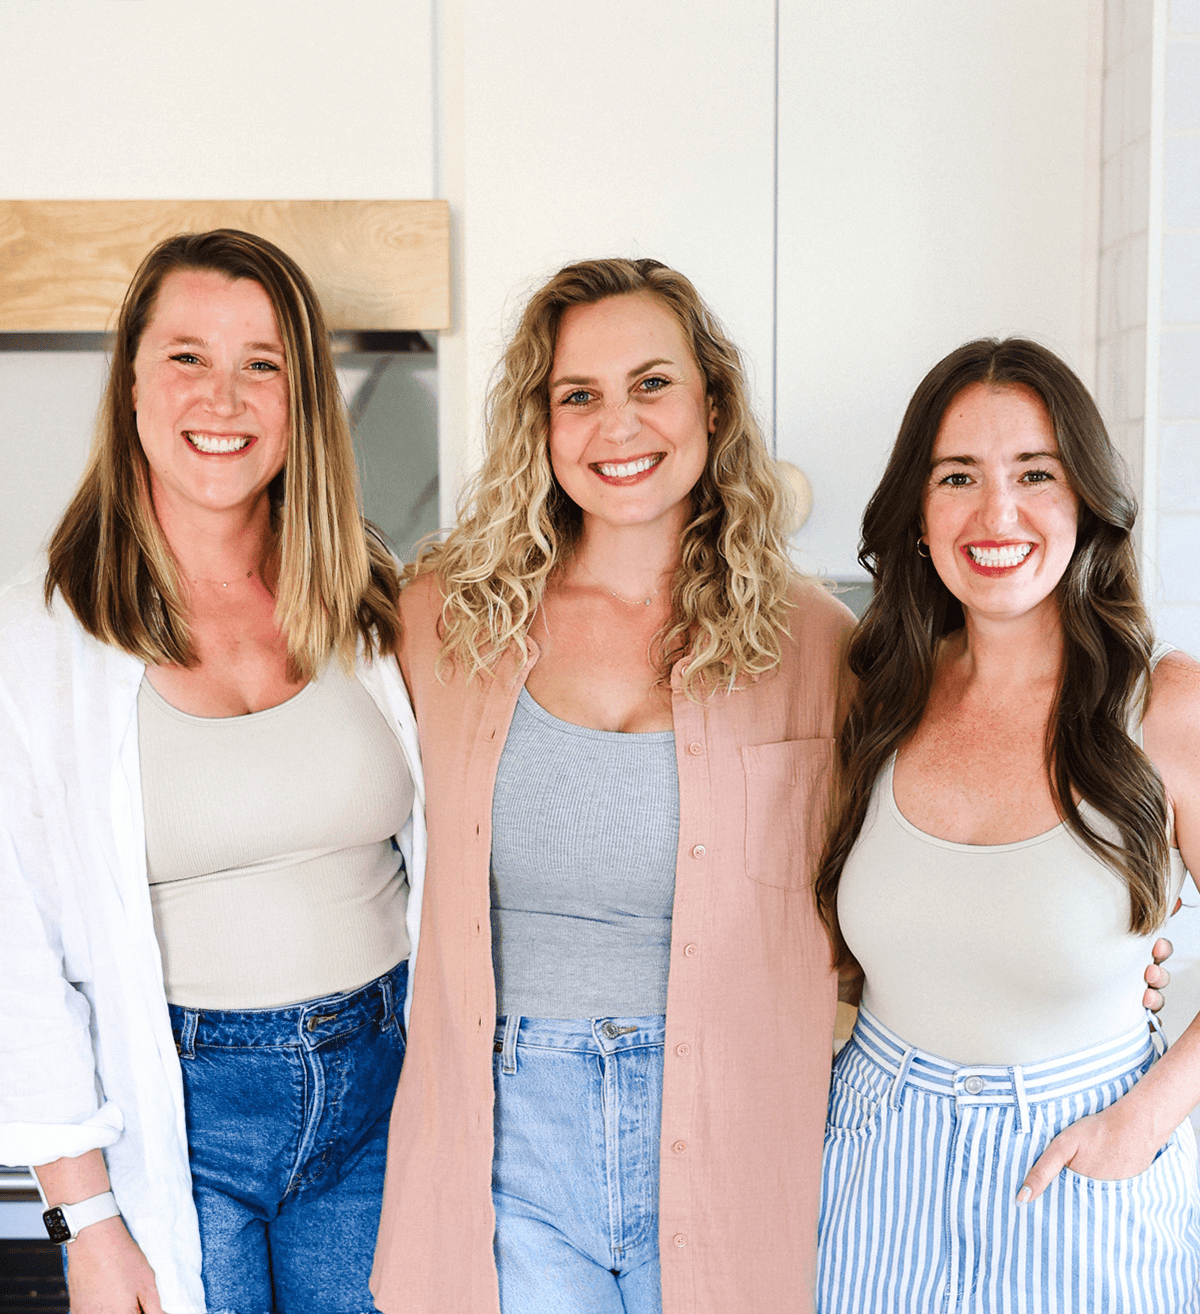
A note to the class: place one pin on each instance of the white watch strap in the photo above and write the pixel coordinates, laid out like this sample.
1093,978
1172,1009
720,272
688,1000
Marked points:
95,1209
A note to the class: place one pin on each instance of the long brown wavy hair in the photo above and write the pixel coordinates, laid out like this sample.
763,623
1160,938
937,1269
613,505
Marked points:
109,557
730,592
1105,676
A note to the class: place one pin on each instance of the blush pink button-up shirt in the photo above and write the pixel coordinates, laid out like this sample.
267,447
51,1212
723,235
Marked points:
750,1003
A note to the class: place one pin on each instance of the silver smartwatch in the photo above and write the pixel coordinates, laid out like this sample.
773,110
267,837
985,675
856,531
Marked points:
65,1221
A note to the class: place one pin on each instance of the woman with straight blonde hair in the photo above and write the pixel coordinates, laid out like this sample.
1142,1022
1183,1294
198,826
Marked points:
208,772
627,700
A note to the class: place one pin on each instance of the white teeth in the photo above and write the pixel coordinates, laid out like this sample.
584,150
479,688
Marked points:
1000,556
206,442
629,468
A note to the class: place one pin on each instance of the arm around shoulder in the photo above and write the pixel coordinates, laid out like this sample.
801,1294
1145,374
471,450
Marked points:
1171,734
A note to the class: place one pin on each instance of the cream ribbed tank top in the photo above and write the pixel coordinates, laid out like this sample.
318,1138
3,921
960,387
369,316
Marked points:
992,953
273,876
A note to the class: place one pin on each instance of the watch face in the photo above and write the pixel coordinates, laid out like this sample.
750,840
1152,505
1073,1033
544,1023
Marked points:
56,1225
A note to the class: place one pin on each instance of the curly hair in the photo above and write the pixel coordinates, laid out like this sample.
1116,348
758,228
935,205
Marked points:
1107,640
109,557
729,598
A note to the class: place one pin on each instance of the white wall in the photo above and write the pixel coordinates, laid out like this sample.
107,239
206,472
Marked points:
228,99
1177,522
150,98
1149,345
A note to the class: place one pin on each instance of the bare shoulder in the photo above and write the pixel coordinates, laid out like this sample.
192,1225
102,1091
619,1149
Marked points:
1171,729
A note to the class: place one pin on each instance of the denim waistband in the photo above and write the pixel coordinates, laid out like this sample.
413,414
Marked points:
1020,1084
584,1035
307,1024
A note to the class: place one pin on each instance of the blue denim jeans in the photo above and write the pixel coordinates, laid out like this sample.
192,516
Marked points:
575,1173
287,1119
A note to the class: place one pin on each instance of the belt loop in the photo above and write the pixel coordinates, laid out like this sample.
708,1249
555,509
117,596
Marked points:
389,1003
901,1077
508,1048
1158,1037
1018,1080
186,1044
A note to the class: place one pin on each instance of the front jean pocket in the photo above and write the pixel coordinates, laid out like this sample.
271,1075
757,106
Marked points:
1108,1185
856,1098
787,790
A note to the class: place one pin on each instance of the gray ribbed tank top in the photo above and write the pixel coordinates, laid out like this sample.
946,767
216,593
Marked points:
585,829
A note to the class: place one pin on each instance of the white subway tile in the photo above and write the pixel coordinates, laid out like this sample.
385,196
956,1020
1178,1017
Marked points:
1112,200
1137,186
1185,16
1183,86
1179,467
1179,625
1178,557
1138,95
1110,288
1181,182
1134,358
1179,378
1113,131
1181,278
1136,276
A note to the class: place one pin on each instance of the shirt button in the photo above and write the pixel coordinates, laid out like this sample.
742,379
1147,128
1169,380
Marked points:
680,1240
698,851
679,1147
683,1050
691,950
695,748
974,1085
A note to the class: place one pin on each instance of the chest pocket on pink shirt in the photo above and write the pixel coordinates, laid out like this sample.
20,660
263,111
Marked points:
787,790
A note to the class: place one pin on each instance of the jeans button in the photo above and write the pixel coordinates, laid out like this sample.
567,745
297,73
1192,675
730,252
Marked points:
611,1030
974,1085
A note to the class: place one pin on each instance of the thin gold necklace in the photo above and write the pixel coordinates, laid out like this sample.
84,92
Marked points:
629,602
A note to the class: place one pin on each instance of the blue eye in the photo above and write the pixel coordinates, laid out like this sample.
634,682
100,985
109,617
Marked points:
578,397
655,383
264,366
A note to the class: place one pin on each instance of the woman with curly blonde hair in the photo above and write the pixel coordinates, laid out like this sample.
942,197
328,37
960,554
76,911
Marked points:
627,701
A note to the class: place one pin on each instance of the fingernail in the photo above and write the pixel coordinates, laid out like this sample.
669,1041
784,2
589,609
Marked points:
1024,1195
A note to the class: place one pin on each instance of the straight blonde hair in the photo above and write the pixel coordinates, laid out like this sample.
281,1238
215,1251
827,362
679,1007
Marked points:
109,557
729,598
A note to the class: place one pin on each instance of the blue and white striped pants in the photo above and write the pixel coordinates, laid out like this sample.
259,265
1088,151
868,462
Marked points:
923,1161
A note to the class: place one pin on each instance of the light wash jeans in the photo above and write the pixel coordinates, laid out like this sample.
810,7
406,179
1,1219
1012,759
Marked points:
287,1118
575,1173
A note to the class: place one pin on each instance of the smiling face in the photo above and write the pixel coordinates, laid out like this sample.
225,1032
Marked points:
999,515
630,417
211,394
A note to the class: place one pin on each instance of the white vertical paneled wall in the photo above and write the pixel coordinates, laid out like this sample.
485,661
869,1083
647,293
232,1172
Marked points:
607,127
938,181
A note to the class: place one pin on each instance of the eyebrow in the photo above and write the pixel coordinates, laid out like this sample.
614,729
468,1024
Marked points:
185,341
970,460
637,369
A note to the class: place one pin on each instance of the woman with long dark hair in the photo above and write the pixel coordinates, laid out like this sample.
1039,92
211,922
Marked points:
1020,794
